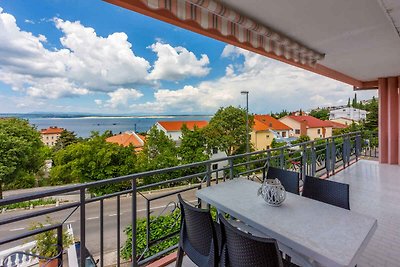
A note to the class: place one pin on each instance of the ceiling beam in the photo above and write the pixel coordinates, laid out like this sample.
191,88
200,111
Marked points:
166,16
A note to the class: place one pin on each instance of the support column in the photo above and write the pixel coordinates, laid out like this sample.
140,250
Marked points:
393,121
383,120
398,118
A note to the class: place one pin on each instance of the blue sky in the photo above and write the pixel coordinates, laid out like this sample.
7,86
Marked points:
93,57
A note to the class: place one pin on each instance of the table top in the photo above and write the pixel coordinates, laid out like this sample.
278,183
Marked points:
328,234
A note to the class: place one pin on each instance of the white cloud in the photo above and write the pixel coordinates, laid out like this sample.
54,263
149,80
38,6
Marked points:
29,21
176,63
122,97
98,102
87,62
273,86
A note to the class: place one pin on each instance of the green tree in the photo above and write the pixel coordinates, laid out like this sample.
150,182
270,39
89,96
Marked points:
354,103
93,160
66,138
193,146
371,123
301,139
322,114
21,154
159,150
275,144
227,130
348,103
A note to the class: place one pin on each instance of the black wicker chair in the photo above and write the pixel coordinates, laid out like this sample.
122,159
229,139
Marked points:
240,249
198,237
330,192
289,180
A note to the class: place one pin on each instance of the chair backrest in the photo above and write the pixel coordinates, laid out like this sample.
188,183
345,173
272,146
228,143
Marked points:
327,191
289,180
198,235
243,249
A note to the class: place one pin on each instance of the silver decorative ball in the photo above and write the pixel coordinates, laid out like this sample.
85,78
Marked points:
273,192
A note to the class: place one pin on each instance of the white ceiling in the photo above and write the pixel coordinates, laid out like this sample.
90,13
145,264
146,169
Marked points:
360,38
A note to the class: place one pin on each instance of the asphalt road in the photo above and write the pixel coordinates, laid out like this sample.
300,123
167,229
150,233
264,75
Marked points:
93,219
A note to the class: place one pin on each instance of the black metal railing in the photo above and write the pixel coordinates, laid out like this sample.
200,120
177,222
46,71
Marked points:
319,158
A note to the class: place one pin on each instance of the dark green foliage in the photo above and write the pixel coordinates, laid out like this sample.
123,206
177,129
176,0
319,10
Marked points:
371,122
227,130
281,114
322,114
159,152
301,139
193,146
354,103
159,227
27,204
46,242
66,138
275,144
93,160
21,154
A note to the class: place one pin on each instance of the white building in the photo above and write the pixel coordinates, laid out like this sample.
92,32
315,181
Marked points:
173,130
353,114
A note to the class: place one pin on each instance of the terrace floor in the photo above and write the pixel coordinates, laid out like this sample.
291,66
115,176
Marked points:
374,191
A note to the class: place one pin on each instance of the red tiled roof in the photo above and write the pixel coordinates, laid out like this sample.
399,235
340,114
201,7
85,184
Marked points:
177,125
52,130
311,121
265,122
338,125
126,139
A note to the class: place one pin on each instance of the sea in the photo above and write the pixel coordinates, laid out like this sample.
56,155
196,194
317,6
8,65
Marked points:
84,125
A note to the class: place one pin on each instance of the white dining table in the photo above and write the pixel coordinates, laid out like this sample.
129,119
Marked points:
317,233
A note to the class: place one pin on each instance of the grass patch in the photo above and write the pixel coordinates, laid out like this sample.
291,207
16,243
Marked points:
27,204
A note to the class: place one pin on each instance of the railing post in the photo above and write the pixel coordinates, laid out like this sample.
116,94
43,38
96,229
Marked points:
208,178
231,168
333,156
83,227
282,158
101,232
358,145
303,162
313,159
134,220
60,245
327,157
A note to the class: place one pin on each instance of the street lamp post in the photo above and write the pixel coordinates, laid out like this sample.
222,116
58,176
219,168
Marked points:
247,125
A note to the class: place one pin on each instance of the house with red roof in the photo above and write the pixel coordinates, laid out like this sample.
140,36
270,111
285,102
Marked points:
265,129
174,128
338,125
308,125
127,139
50,135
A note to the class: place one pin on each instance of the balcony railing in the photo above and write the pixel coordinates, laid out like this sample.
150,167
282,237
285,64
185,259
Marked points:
319,158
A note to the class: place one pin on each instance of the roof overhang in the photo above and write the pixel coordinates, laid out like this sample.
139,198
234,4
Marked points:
355,42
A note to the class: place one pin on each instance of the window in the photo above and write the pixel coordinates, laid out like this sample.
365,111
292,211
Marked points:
267,135
283,134
215,150
267,147
297,131
319,131
215,166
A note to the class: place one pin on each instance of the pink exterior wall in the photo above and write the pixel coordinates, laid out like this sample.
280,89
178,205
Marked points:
389,120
